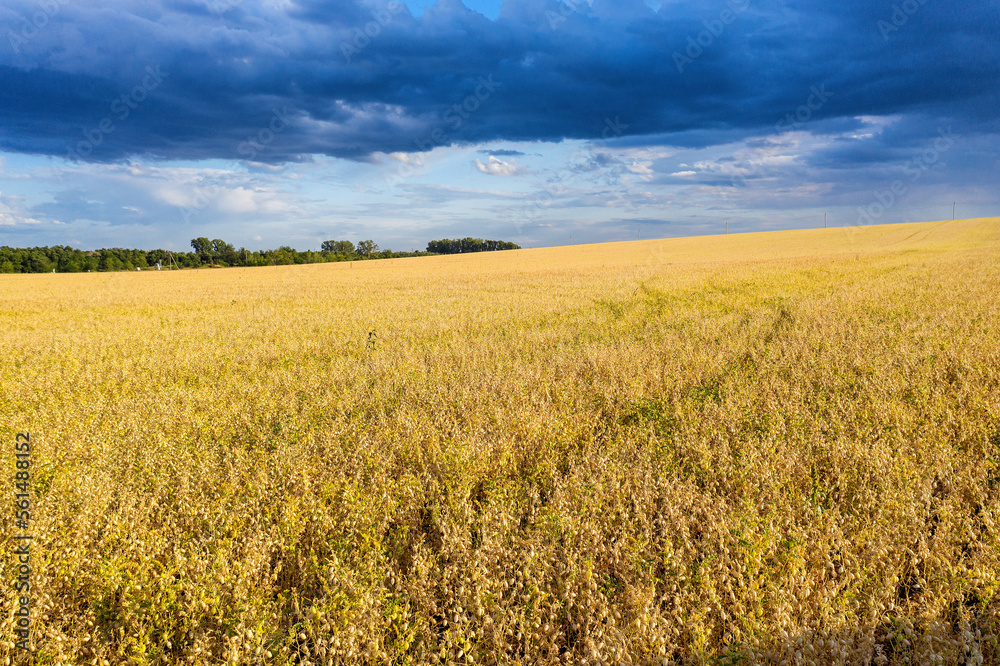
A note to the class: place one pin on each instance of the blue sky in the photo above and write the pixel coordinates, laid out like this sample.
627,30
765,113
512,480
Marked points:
145,123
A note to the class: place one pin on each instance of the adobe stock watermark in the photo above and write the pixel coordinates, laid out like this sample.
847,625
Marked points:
915,169
795,120
901,15
453,118
257,143
203,196
254,145
363,37
22,552
696,44
39,20
121,109
530,211
220,7
566,9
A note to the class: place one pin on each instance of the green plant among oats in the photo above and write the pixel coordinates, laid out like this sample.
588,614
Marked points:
760,449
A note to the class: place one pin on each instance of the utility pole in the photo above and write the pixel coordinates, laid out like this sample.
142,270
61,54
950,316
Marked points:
953,207
727,228
824,221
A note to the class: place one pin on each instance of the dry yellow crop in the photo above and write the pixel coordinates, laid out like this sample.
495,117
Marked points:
777,448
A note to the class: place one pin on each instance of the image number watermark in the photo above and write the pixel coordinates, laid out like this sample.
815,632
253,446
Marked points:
22,540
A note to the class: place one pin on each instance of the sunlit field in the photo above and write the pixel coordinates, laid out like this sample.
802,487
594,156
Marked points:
777,448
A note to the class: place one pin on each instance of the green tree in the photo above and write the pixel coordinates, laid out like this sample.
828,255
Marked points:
461,245
339,247
203,248
224,252
110,262
366,248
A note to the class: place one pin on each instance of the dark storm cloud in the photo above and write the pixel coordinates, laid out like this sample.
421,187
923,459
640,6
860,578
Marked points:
502,153
271,82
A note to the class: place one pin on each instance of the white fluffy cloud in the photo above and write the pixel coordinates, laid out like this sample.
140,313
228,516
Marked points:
13,212
497,167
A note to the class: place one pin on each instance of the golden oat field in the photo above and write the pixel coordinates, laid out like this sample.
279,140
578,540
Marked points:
774,448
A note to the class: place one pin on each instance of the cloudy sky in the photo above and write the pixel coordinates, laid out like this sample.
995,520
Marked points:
145,123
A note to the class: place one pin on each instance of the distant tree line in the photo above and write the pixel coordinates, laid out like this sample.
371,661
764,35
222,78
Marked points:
463,245
205,253
215,252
